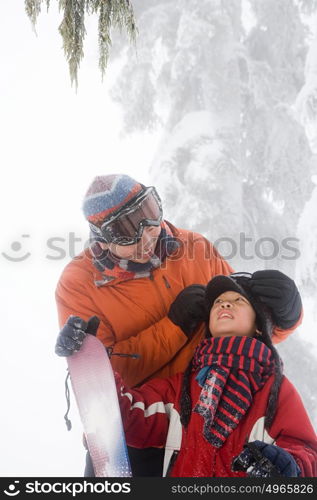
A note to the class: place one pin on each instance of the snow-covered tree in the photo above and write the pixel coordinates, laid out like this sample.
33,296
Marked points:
276,155
186,82
221,95
306,112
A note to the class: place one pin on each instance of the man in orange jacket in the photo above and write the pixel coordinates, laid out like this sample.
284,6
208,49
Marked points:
133,278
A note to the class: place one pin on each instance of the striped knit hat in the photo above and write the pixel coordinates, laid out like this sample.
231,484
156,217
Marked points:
107,194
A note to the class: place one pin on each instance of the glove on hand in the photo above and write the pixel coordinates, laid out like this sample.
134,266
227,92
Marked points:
260,459
188,309
71,336
280,294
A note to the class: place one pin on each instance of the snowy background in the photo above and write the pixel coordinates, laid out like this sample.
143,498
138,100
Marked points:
218,110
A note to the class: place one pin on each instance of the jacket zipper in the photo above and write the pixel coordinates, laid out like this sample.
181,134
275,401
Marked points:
166,282
158,291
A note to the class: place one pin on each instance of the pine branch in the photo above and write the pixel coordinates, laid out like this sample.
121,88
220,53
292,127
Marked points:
72,29
115,14
104,24
111,14
33,8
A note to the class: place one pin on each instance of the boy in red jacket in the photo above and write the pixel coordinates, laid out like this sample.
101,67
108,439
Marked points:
232,413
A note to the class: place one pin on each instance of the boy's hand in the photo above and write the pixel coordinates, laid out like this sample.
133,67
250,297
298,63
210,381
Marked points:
260,459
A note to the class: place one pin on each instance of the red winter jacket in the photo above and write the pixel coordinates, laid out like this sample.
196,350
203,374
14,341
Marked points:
151,417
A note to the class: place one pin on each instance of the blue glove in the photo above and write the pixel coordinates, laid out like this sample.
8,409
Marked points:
260,459
71,336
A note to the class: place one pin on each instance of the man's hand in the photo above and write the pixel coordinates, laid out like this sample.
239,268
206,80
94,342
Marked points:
71,336
188,309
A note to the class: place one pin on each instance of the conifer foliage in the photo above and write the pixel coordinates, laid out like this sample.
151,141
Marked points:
111,14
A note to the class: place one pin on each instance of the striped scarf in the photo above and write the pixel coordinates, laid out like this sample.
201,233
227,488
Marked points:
231,370
113,267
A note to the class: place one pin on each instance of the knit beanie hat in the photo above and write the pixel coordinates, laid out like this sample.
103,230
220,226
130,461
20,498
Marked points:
107,194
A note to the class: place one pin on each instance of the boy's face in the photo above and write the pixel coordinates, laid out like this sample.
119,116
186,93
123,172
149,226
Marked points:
232,314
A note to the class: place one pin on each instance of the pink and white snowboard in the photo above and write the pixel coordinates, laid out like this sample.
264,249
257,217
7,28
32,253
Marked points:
95,391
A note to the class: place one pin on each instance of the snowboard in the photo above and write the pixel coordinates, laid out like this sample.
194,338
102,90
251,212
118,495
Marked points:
95,392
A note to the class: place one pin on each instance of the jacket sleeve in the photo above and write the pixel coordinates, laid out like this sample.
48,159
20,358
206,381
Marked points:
156,345
293,430
146,411
279,334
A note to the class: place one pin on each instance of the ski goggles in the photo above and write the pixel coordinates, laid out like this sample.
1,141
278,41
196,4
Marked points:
126,226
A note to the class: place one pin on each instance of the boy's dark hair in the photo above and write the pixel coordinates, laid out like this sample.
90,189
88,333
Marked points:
265,324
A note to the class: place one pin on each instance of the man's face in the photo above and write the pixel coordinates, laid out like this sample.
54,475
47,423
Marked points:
232,314
142,251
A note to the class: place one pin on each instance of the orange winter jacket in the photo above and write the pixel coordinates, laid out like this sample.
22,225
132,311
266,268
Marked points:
133,313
